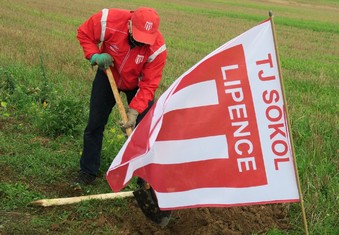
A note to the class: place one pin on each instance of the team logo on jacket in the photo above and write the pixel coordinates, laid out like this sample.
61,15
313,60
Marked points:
114,48
139,59
148,25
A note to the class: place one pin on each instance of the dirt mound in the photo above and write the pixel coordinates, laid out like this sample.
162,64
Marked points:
243,220
204,221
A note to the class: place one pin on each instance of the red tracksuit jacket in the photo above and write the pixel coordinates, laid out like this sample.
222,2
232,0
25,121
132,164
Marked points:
138,67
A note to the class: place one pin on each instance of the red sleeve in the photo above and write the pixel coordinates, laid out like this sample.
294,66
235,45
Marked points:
89,35
152,74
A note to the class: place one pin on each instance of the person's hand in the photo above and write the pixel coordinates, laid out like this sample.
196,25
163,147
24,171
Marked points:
103,60
132,115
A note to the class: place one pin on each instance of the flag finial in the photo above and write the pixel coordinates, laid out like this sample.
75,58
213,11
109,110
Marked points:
270,13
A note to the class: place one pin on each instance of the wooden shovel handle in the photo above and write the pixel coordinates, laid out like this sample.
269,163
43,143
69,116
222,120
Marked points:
121,109
118,99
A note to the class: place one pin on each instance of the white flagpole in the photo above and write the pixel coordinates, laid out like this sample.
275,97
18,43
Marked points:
289,125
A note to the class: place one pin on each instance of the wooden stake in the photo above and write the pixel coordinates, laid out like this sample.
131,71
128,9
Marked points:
72,200
289,125
118,99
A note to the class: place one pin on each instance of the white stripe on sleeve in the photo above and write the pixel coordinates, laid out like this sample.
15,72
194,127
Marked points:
156,53
103,24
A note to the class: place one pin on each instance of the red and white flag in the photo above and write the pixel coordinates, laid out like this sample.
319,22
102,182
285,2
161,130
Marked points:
219,135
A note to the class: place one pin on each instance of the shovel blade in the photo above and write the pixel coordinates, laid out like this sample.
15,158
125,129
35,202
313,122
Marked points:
148,204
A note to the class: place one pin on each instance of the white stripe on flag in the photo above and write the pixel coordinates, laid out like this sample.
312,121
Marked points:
224,196
192,150
181,151
196,95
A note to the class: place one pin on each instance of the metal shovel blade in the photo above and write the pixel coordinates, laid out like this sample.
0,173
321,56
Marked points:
148,203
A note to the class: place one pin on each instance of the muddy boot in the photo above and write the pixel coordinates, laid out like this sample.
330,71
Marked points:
148,203
83,179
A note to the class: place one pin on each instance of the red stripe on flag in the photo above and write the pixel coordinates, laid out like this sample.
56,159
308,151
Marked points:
191,123
116,177
202,174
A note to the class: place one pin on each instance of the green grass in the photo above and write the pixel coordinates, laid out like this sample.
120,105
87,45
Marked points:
42,60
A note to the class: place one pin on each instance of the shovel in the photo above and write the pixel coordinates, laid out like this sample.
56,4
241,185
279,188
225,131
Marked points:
144,196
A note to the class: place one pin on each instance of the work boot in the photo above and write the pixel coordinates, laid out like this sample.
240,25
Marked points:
148,204
83,179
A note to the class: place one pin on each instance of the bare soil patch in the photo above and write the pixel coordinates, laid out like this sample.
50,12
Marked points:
243,220
204,221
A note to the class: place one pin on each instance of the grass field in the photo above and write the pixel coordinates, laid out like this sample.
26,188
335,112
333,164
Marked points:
41,60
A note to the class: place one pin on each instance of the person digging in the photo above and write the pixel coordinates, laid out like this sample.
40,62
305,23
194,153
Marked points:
130,44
